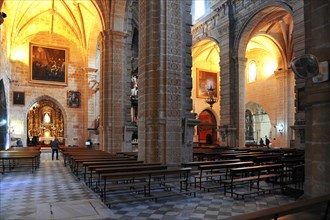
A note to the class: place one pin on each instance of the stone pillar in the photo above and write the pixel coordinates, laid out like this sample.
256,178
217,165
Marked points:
284,106
112,91
164,119
298,35
229,93
317,99
240,96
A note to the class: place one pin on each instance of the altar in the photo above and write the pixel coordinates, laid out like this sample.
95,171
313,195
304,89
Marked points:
45,121
46,140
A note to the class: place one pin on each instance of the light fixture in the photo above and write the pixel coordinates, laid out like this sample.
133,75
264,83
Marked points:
3,122
211,99
280,128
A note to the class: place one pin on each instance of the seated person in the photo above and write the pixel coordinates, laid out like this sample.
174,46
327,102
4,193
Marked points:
19,143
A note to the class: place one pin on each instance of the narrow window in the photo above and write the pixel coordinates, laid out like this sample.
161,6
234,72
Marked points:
198,9
252,71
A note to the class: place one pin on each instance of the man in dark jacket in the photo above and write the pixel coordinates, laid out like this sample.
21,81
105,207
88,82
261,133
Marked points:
55,145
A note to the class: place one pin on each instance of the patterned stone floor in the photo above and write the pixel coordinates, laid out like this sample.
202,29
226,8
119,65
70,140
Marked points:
53,192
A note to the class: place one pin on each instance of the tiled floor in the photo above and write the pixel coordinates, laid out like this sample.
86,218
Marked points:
53,192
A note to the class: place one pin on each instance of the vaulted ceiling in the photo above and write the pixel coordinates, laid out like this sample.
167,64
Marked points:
75,20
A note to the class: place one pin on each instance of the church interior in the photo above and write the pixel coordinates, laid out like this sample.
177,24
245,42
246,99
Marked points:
177,85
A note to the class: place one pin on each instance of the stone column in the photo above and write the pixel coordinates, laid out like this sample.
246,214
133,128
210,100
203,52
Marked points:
317,99
164,119
298,35
112,91
229,115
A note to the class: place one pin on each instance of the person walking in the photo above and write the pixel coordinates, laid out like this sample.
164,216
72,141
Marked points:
55,145
267,141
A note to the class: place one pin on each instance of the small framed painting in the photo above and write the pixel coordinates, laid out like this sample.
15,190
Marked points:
18,98
73,99
206,80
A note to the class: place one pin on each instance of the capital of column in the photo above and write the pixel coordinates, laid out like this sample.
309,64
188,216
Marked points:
117,37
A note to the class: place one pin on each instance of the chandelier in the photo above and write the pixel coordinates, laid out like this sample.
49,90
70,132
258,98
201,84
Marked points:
211,99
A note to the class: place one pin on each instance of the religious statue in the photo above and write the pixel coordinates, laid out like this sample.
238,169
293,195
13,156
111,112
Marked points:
134,99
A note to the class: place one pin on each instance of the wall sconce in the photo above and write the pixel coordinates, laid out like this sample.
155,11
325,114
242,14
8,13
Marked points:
280,128
211,99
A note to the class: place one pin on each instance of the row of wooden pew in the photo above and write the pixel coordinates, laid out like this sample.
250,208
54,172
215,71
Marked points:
237,168
20,158
121,177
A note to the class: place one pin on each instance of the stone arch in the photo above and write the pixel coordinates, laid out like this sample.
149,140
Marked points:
113,15
207,128
254,21
257,20
45,97
261,121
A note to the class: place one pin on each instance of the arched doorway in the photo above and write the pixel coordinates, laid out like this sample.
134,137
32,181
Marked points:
264,51
44,121
206,130
206,75
257,124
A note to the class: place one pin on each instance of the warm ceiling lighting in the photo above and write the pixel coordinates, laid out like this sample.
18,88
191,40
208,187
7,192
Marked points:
20,54
270,67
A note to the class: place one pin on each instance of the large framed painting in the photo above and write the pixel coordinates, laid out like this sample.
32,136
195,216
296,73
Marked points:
48,65
73,99
205,80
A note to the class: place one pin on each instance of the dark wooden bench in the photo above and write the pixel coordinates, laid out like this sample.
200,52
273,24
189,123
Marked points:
145,180
77,162
251,174
267,159
92,165
12,159
300,207
143,167
210,171
197,163
68,152
288,168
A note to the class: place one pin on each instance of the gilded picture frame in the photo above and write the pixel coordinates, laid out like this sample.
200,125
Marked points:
48,65
73,99
205,79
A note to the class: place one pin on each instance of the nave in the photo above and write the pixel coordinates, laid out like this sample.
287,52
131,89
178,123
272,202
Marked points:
53,192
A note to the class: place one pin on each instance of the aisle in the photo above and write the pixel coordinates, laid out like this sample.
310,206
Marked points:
52,192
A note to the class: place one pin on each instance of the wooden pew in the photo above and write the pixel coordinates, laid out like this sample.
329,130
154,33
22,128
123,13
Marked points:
286,210
267,159
77,163
103,171
197,163
128,154
91,166
252,174
216,170
67,154
13,158
145,180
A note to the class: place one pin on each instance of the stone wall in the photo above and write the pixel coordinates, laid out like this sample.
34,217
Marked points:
75,127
